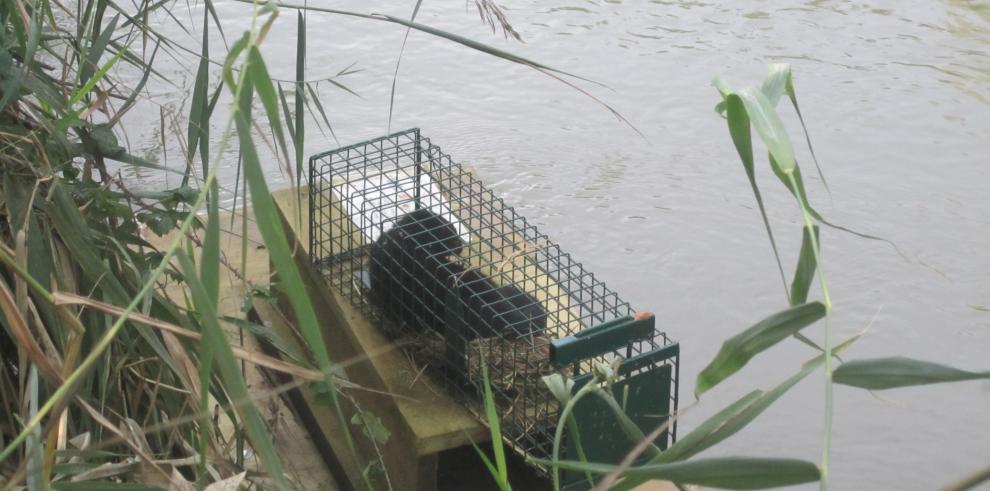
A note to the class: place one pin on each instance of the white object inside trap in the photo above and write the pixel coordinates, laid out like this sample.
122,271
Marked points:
380,199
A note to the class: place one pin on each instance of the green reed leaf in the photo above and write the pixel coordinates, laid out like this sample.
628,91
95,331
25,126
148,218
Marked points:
266,93
398,61
299,137
12,88
96,50
102,485
775,83
229,371
269,224
897,371
731,419
319,106
806,267
206,357
232,55
289,121
739,130
91,82
779,81
216,19
72,117
720,472
210,259
197,133
770,127
485,460
491,415
739,349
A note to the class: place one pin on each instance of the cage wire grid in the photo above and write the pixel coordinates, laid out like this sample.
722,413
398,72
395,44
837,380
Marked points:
477,282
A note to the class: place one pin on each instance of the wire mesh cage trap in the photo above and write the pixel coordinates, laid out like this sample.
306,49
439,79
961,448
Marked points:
421,246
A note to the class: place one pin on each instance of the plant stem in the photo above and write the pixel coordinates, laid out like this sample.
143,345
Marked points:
827,301
559,434
572,426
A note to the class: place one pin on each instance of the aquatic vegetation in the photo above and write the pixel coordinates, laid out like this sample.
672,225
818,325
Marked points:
98,363
755,108
91,341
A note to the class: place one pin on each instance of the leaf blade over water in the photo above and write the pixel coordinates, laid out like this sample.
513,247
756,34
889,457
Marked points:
718,472
899,371
739,349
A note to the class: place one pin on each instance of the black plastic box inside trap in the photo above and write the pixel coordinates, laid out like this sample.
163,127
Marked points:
438,260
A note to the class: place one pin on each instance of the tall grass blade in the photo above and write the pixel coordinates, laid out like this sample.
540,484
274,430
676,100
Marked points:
739,125
806,268
85,90
626,424
269,224
198,131
232,56
345,88
398,61
575,435
229,371
739,129
70,224
739,349
491,415
35,460
91,82
206,355
319,106
719,472
299,138
96,50
60,395
894,372
488,462
210,258
470,43
216,19
289,118
13,87
269,99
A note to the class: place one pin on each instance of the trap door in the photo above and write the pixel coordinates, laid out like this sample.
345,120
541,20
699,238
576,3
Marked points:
646,397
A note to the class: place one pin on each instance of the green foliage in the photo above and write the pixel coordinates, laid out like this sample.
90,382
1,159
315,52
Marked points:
754,107
739,349
84,231
498,470
59,195
897,371
84,285
724,472
806,266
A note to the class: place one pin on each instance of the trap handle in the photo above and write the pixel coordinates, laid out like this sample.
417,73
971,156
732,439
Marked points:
603,338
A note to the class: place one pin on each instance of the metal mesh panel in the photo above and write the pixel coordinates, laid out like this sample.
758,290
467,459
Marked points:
421,246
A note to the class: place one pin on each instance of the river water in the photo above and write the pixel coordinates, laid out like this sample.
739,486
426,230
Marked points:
897,100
